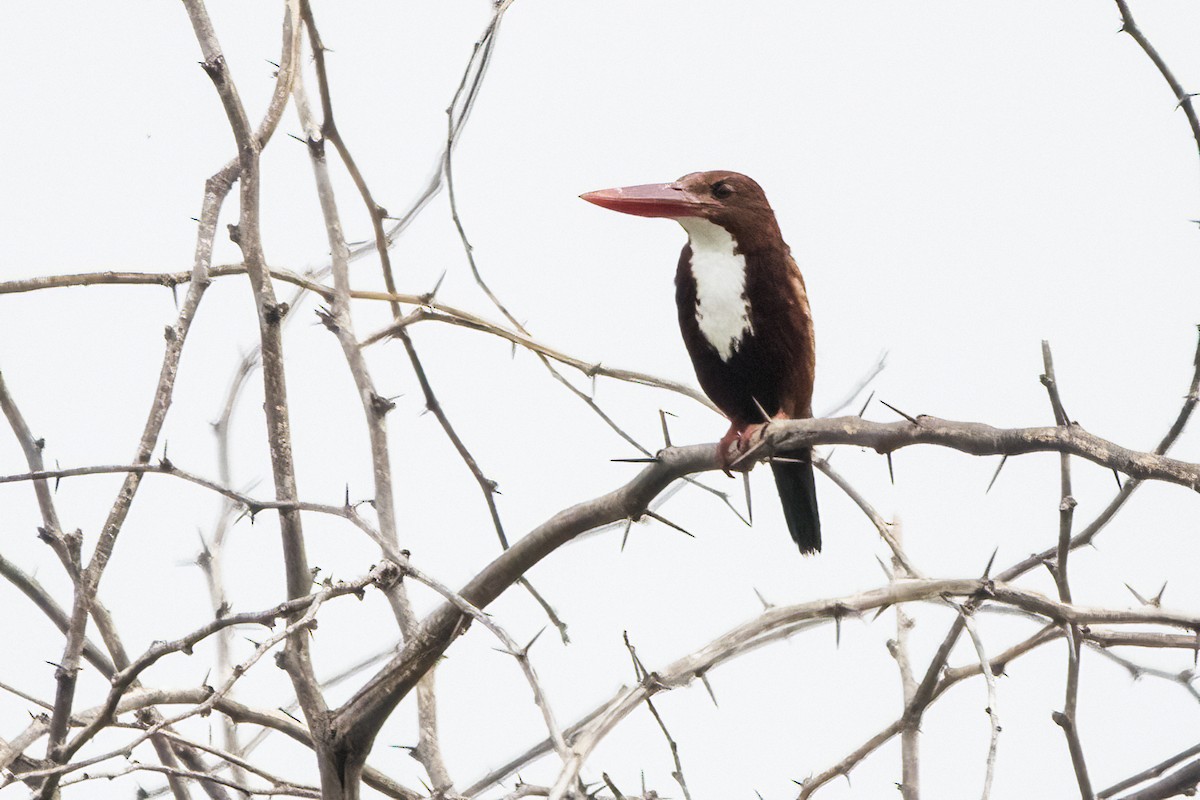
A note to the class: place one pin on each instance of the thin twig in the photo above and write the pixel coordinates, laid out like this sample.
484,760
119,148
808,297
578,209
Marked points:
302,623
1066,719
1147,774
1183,98
910,736
428,748
985,667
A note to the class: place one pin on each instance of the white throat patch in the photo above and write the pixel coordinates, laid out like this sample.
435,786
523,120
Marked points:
722,308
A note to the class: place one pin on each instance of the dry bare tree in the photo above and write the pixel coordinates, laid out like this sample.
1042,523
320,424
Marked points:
83,731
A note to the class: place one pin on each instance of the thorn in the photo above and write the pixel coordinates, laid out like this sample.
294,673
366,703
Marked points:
58,478
662,416
525,649
725,499
1134,592
988,569
708,686
913,420
880,610
667,522
883,566
891,472
837,630
766,605
175,296
863,410
429,296
749,505
644,460
347,500
1117,475
992,482
1157,601
766,417
625,535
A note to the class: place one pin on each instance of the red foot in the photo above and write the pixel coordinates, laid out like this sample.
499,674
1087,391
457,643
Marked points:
737,440
727,453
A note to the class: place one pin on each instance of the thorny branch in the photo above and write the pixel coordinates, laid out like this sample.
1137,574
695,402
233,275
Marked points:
86,580
1066,719
341,737
428,750
916,709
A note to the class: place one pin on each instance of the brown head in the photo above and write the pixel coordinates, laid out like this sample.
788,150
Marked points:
729,199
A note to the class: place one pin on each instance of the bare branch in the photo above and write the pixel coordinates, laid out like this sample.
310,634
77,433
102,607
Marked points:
910,736
1183,98
213,696
280,788
1066,719
1182,781
380,576
1147,774
985,667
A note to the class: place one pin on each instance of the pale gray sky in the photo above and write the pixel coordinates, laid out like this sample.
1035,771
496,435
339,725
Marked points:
957,182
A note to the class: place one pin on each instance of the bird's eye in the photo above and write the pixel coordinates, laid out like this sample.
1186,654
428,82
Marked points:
721,190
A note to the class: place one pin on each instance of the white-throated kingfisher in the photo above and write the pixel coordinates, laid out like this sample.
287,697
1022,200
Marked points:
744,315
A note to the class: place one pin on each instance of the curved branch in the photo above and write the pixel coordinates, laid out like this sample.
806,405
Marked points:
429,310
978,439
470,321
360,718
1128,25
122,680
751,633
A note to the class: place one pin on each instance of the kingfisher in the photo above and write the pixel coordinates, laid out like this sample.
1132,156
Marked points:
744,316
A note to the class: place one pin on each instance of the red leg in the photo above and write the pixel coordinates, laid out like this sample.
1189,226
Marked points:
749,434
740,438
730,446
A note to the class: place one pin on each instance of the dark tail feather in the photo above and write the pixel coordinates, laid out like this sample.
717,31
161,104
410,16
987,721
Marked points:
798,491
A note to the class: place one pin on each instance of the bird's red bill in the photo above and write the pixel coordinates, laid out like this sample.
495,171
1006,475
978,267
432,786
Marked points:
647,200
